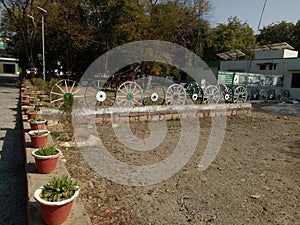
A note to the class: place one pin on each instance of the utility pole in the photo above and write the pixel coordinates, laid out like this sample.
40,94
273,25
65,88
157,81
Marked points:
43,42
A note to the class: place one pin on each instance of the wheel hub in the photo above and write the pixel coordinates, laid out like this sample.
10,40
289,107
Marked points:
101,96
129,96
154,97
194,97
67,96
175,97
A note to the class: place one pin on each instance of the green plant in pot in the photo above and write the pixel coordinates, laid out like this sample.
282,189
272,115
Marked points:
56,199
39,137
46,158
32,113
37,123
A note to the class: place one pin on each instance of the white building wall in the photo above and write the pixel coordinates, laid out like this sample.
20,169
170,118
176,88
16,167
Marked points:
285,67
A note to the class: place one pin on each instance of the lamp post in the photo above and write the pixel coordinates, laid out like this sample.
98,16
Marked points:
43,42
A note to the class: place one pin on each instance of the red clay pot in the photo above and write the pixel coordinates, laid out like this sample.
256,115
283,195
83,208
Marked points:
55,213
32,115
45,164
26,108
37,125
39,138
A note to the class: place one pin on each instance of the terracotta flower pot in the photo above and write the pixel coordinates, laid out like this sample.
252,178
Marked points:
26,108
32,115
45,164
55,213
37,125
26,99
23,90
39,138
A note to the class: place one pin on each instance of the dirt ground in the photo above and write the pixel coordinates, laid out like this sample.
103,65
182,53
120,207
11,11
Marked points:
255,178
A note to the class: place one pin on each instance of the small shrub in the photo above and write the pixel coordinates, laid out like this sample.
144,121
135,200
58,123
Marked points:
46,151
59,189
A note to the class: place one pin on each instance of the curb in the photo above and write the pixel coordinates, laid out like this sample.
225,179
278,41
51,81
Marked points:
78,215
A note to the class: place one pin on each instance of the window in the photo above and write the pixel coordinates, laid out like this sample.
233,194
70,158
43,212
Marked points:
295,80
262,67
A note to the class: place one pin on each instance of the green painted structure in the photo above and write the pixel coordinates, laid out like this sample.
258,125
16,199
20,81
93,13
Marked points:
9,65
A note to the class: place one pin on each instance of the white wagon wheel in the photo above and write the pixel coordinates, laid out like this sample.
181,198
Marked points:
211,94
63,91
100,93
154,94
263,94
129,94
176,95
240,94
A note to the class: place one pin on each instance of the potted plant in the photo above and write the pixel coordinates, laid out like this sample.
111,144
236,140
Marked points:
46,158
26,108
56,199
37,123
39,137
32,113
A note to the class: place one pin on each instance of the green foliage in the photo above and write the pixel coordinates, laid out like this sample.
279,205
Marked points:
59,189
281,32
235,35
39,83
47,151
36,120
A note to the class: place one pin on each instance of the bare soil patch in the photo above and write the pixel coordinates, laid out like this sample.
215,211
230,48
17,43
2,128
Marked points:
254,179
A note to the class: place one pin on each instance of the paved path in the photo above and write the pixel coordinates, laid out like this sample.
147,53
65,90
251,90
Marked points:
12,173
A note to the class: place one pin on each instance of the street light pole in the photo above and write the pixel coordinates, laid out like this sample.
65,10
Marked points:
43,43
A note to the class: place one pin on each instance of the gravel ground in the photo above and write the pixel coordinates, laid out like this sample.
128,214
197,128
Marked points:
12,179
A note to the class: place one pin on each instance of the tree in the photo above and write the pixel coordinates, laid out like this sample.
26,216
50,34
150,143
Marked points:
231,36
280,32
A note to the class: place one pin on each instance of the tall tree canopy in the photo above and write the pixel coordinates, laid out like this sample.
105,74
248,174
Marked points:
281,32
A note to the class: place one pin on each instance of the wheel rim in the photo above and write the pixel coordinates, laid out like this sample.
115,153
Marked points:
63,91
211,94
154,94
195,92
176,95
240,94
100,93
129,94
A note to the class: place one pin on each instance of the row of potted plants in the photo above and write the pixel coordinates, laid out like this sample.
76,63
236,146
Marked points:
55,197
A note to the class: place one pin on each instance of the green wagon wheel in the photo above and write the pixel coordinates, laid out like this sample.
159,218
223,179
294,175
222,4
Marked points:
263,94
100,93
226,93
154,94
129,94
211,94
195,92
271,94
64,91
176,95
240,94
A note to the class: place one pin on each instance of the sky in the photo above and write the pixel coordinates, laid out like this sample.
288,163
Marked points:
250,11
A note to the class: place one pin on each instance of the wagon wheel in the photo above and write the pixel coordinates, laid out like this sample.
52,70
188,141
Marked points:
129,94
154,94
226,93
176,95
286,94
100,93
65,91
195,92
254,94
240,94
211,94
271,94
263,94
